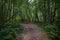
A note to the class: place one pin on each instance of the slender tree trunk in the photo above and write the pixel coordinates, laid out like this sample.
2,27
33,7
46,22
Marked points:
44,11
48,16
54,13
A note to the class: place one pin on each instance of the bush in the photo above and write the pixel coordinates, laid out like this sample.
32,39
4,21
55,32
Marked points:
10,31
52,31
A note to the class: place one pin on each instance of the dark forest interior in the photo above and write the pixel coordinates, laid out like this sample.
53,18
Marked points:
18,17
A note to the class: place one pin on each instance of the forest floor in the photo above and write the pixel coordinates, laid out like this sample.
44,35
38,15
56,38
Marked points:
33,32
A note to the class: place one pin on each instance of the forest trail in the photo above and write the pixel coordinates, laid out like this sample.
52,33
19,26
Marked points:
33,32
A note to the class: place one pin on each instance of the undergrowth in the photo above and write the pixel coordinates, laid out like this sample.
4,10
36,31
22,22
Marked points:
52,31
10,31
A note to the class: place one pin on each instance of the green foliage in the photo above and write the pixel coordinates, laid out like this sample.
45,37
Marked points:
31,11
10,31
52,31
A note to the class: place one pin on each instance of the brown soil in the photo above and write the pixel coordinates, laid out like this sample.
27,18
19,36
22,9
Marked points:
33,32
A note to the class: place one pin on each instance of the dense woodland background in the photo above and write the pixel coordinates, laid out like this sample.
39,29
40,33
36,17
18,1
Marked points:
14,12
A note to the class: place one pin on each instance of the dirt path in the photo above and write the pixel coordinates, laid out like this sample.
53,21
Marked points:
33,32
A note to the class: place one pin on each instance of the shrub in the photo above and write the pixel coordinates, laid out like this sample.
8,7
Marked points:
10,31
52,31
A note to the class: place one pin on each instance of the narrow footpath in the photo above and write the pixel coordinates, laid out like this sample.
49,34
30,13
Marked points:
33,32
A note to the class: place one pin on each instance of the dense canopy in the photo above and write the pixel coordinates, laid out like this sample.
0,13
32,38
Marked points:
44,12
